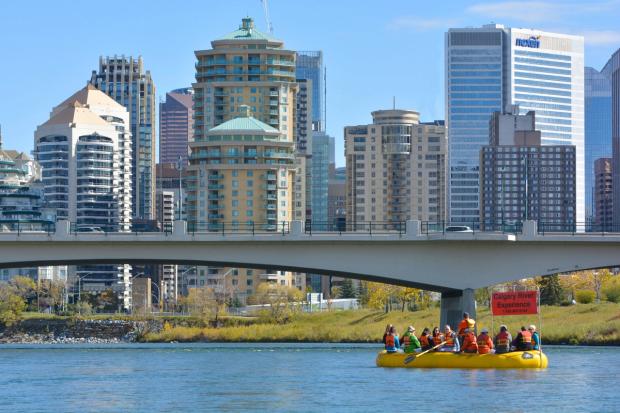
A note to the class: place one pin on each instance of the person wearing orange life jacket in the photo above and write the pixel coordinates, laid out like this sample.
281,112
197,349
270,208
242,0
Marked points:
502,340
437,336
523,341
410,342
466,322
426,341
470,344
451,341
485,344
392,343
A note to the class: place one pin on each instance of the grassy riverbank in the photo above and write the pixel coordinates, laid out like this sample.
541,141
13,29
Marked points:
590,324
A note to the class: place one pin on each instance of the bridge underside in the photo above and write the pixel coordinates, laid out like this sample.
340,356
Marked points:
455,268
441,265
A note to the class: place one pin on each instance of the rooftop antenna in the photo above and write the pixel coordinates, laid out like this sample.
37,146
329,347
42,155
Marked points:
393,102
266,10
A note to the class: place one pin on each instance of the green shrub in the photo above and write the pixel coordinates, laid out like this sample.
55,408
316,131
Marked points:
585,296
611,292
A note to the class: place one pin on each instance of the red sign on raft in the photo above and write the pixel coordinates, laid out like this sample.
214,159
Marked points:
515,303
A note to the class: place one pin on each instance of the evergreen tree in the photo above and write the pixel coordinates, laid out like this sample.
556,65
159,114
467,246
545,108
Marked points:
346,289
550,290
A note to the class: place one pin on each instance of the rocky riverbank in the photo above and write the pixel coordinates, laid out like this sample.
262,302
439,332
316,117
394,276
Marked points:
77,331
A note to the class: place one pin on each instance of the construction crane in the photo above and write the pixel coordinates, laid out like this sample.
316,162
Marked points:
266,10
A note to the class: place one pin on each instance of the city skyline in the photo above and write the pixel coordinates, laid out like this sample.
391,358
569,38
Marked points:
170,55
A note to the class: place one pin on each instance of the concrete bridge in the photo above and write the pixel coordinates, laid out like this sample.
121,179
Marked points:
454,264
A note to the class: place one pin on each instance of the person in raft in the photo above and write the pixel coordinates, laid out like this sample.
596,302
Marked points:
387,331
466,322
485,344
502,340
426,341
470,344
535,337
391,341
523,341
451,341
410,342
437,336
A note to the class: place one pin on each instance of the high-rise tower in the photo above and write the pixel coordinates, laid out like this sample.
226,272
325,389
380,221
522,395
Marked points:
491,67
126,81
242,163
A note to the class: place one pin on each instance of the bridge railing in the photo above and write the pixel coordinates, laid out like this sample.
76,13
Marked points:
26,227
506,227
577,228
136,228
282,227
364,227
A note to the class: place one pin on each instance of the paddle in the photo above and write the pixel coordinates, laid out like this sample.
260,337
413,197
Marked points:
430,349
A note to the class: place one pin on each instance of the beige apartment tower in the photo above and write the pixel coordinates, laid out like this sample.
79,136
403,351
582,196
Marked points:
242,162
396,169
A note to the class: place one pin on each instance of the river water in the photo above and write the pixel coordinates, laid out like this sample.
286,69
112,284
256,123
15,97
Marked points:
290,377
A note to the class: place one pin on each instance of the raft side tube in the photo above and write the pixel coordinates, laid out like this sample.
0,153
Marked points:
513,360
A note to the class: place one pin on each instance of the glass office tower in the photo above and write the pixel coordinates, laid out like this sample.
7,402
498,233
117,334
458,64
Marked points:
491,67
598,128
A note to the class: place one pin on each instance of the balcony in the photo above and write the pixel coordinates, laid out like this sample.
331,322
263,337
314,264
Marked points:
215,187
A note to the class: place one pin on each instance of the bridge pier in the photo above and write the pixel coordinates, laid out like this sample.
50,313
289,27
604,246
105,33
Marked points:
453,305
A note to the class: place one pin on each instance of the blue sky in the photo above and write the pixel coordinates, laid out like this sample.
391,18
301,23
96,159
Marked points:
373,50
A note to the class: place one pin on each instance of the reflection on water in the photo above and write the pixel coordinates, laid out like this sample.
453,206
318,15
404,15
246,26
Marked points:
286,377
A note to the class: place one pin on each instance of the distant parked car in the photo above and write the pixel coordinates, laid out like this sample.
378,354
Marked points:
458,228
90,229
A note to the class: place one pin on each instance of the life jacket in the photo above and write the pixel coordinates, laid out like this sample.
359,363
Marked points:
389,341
502,340
526,337
438,338
462,326
406,339
424,341
449,339
484,344
470,342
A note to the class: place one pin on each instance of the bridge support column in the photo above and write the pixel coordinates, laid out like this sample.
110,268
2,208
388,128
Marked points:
63,228
412,229
530,229
179,228
297,228
453,305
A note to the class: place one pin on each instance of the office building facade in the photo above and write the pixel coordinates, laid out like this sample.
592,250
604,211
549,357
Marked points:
597,129
322,143
175,125
84,150
396,169
613,68
490,67
309,67
126,81
522,179
603,195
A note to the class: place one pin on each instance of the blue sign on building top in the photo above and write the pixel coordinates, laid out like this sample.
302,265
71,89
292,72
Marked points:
533,41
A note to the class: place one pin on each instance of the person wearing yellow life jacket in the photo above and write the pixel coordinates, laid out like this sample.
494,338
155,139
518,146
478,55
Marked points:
410,342
502,340
451,341
470,344
392,344
437,336
523,341
465,323
485,344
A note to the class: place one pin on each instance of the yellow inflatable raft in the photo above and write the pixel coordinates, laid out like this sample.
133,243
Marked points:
512,360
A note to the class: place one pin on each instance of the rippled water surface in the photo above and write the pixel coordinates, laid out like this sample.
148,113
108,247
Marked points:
290,377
